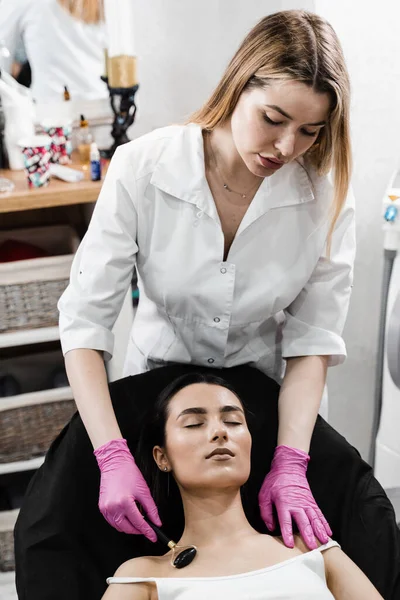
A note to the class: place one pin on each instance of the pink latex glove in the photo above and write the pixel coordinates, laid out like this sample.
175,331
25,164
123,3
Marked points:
287,487
121,484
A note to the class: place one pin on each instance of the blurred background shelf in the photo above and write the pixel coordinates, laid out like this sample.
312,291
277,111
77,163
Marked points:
29,423
22,465
8,519
7,586
33,356
29,336
57,193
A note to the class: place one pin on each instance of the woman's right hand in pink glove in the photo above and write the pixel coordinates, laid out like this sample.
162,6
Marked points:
121,486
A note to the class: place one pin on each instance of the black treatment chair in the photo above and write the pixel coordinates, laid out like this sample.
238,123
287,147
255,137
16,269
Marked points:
65,549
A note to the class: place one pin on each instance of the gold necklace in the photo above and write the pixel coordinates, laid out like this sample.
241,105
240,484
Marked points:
225,185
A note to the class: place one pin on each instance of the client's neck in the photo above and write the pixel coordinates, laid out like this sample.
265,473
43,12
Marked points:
214,517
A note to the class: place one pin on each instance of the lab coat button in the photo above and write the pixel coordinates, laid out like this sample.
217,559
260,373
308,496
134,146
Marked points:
210,360
217,319
223,270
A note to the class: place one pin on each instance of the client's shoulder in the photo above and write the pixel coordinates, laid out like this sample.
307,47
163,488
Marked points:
142,566
300,546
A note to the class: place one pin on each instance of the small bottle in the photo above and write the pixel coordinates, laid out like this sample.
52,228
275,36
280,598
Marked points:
67,95
95,163
84,140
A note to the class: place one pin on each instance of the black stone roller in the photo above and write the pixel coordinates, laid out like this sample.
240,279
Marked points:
182,556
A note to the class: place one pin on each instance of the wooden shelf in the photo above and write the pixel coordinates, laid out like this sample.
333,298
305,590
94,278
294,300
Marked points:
57,193
8,519
7,586
58,394
22,198
21,465
7,579
29,336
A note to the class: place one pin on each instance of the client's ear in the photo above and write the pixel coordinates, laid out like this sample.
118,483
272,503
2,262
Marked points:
161,458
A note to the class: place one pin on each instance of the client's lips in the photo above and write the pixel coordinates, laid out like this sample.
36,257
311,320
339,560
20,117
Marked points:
220,451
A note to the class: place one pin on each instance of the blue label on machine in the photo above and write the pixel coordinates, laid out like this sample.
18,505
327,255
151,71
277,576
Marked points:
391,213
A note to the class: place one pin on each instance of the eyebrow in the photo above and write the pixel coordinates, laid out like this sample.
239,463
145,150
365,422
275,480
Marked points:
198,410
280,110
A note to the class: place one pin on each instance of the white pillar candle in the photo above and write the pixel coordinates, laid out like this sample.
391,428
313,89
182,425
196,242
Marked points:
119,25
121,59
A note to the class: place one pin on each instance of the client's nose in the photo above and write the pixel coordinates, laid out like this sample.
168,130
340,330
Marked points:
221,434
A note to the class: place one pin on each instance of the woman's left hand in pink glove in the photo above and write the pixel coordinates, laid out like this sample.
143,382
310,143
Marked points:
287,488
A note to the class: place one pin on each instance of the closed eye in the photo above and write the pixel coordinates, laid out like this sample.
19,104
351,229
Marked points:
310,133
303,131
200,424
271,122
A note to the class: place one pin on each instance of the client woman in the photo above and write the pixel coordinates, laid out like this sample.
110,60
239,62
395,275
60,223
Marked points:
198,432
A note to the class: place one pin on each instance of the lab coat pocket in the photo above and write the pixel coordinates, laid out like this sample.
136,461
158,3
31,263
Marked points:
178,344
154,345
266,345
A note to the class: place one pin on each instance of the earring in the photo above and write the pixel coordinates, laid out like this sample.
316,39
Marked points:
165,469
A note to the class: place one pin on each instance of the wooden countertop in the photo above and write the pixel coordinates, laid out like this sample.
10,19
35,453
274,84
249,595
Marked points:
56,193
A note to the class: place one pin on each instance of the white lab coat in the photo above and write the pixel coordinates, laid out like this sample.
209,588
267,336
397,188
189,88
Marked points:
277,295
61,50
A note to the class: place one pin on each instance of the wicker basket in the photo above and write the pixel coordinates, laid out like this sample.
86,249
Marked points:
30,289
8,519
30,422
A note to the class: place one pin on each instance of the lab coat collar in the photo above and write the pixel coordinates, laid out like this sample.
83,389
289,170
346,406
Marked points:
180,171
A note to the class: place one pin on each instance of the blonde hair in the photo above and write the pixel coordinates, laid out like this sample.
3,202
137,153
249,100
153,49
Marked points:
301,46
88,11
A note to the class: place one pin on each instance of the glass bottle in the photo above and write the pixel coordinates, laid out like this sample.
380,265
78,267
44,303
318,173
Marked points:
67,95
84,141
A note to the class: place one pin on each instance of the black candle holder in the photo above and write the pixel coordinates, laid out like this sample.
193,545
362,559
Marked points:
122,102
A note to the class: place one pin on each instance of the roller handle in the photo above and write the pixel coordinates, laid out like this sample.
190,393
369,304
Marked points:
161,536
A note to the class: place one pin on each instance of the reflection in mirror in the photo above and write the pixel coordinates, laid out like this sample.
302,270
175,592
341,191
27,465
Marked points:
57,53
59,44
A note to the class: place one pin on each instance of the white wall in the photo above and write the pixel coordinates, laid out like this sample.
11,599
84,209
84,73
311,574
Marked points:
184,46
369,38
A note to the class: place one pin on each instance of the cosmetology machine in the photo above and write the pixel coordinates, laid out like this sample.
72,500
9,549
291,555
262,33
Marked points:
386,435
